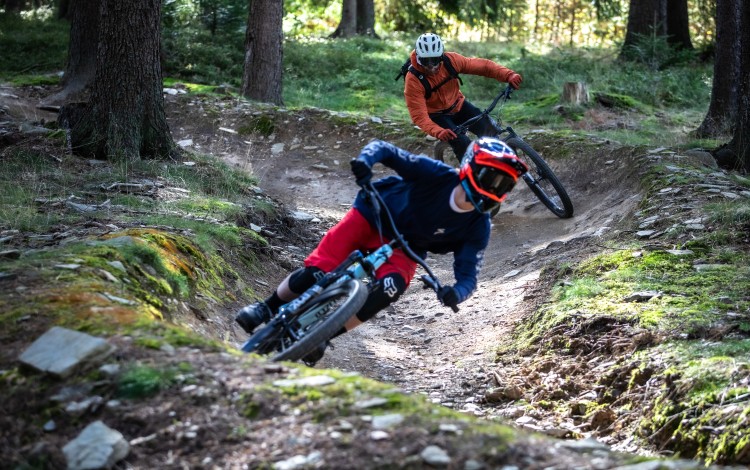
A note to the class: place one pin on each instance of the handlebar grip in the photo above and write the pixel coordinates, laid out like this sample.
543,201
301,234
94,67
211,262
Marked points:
432,283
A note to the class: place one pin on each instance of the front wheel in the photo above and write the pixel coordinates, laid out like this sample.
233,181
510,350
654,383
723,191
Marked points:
542,180
444,152
323,317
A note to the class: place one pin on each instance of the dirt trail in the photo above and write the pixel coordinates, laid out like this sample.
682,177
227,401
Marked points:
418,344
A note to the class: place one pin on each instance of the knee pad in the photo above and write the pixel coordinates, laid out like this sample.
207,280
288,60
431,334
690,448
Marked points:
383,293
303,278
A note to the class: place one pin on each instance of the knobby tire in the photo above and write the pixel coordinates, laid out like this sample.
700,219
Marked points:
444,152
558,201
335,305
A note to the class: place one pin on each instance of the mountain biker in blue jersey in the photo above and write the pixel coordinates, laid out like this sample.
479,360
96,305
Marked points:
436,208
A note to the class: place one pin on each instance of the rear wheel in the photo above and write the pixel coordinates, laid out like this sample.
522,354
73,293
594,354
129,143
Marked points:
323,318
542,180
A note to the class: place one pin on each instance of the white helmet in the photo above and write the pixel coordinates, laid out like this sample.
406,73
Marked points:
429,45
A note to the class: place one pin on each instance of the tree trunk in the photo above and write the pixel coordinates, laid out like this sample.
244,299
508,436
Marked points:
348,25
575,93
722,109
81,67
63,10
264,42
366,18
14,6
740,143
125,118
646,17
678,29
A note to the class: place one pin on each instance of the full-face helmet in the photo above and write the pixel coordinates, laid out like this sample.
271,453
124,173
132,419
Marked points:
429,50
489,171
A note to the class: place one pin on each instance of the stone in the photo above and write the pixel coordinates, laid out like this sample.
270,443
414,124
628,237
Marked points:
61,351
97,446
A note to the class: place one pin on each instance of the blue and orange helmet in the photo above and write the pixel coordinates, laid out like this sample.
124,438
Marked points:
489,171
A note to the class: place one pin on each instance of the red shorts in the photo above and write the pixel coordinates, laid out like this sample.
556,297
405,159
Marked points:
353,232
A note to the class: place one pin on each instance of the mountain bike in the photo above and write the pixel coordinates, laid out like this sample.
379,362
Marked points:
322,310
540,177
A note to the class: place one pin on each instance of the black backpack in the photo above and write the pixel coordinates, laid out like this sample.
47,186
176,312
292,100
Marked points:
452,74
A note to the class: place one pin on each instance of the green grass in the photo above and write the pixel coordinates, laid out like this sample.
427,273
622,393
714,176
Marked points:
32,49
357,75
142,381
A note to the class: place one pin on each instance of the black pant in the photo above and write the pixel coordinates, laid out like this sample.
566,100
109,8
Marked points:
481,128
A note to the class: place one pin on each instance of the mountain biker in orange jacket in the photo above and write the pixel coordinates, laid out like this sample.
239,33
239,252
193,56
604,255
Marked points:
437,209
446,107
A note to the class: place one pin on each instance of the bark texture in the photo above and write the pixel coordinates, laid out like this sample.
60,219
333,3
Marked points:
740,143
348,25
125,117
722,110
84,38
264,42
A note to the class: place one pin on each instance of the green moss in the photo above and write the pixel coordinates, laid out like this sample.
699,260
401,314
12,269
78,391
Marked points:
141,381
263,125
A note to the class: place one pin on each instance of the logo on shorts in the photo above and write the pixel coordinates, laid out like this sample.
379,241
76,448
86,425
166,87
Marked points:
389,287
440,231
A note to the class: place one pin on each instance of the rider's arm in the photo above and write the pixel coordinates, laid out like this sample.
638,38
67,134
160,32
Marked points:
477,66
407,165
417,105
467,262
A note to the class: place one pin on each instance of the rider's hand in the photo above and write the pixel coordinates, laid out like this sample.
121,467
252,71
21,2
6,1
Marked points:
448,296
515,80
362,171
446,134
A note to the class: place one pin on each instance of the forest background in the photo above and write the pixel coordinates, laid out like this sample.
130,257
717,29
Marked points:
652,78
635,48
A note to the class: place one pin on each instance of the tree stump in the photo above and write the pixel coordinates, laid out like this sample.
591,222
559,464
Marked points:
575,93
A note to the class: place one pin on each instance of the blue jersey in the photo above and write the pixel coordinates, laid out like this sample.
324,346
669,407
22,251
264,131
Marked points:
419,200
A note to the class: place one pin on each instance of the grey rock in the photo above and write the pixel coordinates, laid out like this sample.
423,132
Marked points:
387,421
371,403
435,456
98,446
311,381
642,296
61,351
584,445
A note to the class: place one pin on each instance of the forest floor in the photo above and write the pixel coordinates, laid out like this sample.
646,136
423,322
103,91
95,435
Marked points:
416,345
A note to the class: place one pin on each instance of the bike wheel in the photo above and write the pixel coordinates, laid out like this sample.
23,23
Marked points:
444,152
265,340
542,180
324,316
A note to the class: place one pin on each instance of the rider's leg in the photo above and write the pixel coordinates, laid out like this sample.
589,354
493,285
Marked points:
448,121
292,286
384,292
387,289
339,241
393,279
481,128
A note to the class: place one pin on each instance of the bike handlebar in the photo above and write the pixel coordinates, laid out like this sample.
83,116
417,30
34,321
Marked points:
429,279
504,95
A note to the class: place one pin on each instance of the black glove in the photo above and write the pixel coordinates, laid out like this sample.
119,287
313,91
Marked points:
362,171
448,296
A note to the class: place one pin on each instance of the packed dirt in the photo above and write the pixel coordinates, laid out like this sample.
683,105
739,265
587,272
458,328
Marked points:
417,344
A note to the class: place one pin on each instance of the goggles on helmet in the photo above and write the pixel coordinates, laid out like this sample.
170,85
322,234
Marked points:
430,62
493,183
489,171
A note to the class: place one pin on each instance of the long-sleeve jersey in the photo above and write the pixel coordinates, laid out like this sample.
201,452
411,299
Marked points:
449,94
419,199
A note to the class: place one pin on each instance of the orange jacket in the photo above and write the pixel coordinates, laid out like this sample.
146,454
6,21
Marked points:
448,94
